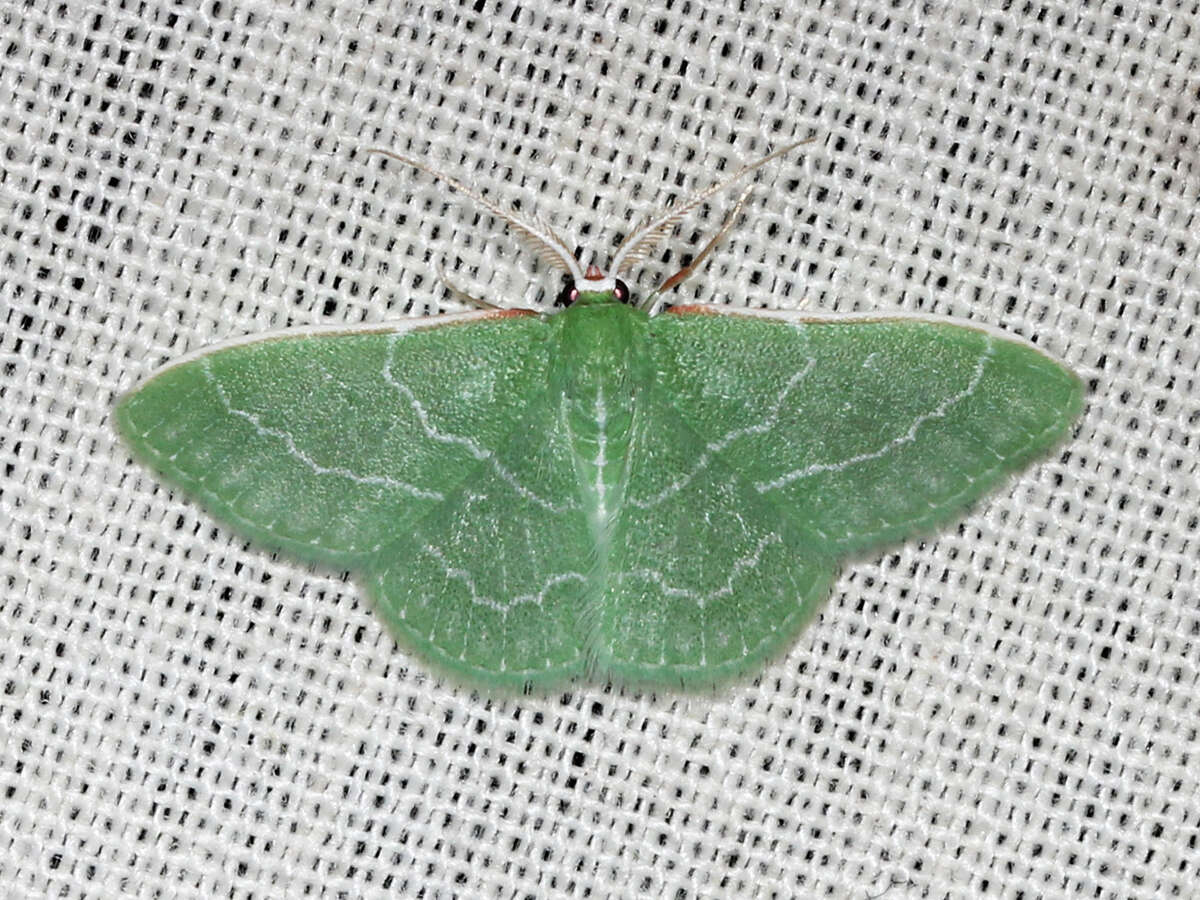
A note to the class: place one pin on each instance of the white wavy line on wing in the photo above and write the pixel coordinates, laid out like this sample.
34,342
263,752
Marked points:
768,422
749,561
464,575
483,454
290,444
796,474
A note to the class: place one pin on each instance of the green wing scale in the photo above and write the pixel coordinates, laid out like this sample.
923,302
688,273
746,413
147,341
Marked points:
866,428
600,493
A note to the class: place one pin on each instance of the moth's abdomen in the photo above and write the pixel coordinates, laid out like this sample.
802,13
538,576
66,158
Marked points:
600,421
601,368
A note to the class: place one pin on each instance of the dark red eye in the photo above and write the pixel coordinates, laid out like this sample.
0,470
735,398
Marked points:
568,295
621,291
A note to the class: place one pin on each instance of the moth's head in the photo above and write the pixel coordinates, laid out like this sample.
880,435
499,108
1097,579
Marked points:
593,287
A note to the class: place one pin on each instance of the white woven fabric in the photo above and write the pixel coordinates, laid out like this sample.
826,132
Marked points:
1006,709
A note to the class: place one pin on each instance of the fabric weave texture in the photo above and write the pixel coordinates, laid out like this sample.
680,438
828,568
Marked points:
1004,708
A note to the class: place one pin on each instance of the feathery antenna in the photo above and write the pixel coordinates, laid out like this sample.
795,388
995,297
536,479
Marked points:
641,243
548,246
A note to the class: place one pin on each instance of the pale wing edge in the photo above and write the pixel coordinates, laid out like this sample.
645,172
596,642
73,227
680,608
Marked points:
400,326
800,317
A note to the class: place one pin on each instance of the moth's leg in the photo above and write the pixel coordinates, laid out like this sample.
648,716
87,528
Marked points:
691,267
462,296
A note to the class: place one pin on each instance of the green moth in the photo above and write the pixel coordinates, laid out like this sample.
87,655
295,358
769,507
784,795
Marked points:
599,491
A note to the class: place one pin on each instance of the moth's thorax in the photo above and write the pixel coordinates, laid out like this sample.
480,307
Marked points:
587,296
601,361
602,345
